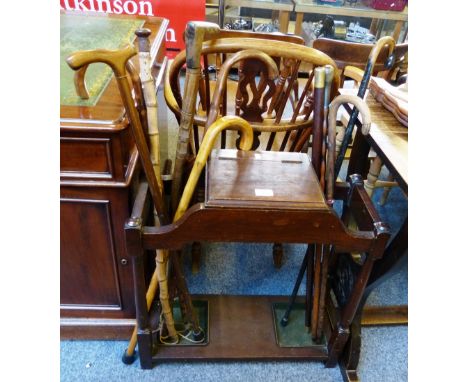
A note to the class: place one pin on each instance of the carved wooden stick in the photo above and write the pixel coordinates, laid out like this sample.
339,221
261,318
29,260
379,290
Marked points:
195,33
118,61
149,92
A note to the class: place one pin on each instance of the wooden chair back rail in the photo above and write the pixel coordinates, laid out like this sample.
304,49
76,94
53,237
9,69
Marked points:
286,50
349,53
252,105
355,54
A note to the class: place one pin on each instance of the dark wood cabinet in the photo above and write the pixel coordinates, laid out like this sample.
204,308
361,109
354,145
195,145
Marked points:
99,167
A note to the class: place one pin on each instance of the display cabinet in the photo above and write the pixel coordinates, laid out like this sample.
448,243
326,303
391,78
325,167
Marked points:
288,15
383,22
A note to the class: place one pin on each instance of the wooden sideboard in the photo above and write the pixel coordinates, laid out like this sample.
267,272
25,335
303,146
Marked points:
99,166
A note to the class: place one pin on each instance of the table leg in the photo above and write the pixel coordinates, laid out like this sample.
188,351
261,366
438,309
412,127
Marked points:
283,21
374,26
397,30
373,175
298,25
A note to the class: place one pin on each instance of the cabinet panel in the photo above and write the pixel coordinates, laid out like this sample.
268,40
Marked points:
88,269
85,157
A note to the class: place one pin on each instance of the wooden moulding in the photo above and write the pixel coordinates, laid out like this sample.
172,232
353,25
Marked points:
388,315
96,328
200,223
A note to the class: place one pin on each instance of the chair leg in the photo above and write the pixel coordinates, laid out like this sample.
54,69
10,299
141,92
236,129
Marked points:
373,175
277,255
196,256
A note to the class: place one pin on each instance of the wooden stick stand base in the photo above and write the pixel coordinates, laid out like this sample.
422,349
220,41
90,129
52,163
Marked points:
240,328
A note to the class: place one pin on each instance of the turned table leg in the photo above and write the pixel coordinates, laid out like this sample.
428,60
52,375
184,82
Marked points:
373,175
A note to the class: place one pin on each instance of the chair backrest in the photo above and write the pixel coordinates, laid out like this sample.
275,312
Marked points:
267,93
346,53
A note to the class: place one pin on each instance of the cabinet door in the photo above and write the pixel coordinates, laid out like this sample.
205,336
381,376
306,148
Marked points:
95,274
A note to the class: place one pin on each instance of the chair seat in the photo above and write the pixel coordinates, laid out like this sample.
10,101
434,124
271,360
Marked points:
266,179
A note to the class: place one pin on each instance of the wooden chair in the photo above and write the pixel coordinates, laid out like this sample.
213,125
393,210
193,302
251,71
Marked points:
351,59
346,53
297,210
281,116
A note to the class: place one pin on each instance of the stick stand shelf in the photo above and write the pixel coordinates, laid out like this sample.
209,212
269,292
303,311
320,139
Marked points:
243,327
240,328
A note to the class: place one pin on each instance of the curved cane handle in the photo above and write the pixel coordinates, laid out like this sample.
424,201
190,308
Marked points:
116,59
224,72
361,105
80,84
387,40
224,123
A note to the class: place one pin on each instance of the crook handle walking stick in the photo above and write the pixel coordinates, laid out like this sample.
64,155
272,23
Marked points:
387,40
117,60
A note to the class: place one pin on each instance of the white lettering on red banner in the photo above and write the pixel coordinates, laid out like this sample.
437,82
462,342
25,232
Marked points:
129,7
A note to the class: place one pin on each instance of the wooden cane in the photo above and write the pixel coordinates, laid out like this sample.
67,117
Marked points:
362,108
329,175
387,40
149,92
321,257
117,60
224,123
195,33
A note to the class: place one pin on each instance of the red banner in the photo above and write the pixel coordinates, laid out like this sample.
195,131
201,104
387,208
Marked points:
178,12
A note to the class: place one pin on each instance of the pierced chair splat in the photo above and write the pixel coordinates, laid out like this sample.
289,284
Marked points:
268,94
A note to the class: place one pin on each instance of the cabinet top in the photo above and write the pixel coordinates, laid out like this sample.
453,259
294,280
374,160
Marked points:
79,31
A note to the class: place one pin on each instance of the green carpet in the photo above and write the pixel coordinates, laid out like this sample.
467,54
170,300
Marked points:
87,33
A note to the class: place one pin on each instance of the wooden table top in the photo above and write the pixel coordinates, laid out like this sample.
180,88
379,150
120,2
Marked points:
109,111
387,136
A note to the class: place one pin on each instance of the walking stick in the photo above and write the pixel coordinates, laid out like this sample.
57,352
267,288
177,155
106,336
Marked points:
149,92
387,40
118,61
321,260
292,299
195,33
323,77
330,176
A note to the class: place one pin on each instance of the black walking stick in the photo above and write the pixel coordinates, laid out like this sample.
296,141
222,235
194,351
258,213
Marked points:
387,40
